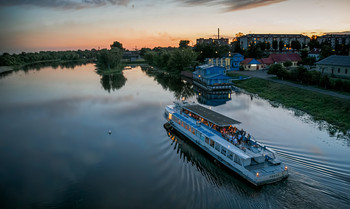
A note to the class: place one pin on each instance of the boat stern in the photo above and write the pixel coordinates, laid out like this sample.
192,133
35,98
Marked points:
267,176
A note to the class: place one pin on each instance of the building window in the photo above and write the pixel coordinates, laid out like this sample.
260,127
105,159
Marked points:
217,147
212,143
230,155
207,140
223,151
237,160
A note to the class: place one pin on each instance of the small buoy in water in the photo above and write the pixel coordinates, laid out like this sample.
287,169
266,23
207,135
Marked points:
110,132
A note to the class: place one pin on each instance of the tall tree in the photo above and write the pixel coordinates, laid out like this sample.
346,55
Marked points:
268,45
275,44
313,42
117,44
184,43
281,45
181,59
296,45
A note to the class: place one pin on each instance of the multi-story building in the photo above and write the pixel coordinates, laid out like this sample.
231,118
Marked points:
219,41
334,39
287,39
230,62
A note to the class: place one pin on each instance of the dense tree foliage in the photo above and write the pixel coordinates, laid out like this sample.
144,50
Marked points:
184,43
143,51
172,60
212,50
275,44
7,59
295,44
255,50
303,76
281,45
109,59
118,45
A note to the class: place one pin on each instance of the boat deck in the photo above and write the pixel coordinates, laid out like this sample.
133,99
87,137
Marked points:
211,116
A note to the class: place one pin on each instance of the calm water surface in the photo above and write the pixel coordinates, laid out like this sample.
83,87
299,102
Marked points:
55,150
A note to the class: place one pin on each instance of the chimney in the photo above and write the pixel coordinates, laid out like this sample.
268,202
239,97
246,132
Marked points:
218,33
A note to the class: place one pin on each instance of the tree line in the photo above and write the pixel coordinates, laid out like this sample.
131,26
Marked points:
23,58
303,76
171,59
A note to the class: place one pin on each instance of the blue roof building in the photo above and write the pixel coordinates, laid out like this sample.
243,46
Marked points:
212,77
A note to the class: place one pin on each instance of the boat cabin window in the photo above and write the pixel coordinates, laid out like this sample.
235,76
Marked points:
193,131
189,128
182,123
207,140
230,155
202,136
186,126
217,147
212,143
238,160
223,151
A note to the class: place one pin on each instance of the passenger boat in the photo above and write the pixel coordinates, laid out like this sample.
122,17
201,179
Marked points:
218,135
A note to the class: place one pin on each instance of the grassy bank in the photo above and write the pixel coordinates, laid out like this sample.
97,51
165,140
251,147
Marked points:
111,71
334,110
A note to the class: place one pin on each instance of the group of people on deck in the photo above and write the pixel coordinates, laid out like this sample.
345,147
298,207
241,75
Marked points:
235,136
231,134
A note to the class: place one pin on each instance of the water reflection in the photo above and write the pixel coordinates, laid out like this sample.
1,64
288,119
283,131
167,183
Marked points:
212,98
113,81
205,164
171,82
38,66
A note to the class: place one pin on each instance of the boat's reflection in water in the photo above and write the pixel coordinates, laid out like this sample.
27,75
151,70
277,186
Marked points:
212,170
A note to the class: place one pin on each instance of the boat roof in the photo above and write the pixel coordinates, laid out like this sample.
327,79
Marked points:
211,115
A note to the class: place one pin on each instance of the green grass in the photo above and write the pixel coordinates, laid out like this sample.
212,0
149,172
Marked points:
334,110
111,71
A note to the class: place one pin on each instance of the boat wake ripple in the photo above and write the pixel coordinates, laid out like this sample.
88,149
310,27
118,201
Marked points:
328,175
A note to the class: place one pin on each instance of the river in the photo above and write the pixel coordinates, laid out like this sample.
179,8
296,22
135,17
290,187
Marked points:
56,150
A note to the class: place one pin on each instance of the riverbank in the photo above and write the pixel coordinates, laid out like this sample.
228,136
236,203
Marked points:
334,110
5,69
265,76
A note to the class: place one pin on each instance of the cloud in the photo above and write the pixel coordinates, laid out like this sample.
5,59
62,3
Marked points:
64,4
233,5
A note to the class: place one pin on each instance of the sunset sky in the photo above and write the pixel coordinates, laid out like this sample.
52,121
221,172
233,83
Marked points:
36,25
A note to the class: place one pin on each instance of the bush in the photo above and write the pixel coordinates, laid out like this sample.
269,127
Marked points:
274,68
338,85
282,73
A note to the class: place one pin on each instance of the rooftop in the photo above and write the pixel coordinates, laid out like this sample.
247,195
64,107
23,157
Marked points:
250,61
335,60
211,116
285,57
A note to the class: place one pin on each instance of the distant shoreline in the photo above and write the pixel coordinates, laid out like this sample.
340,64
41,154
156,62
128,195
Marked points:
16,67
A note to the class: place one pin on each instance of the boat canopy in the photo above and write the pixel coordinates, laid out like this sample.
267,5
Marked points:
211,116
